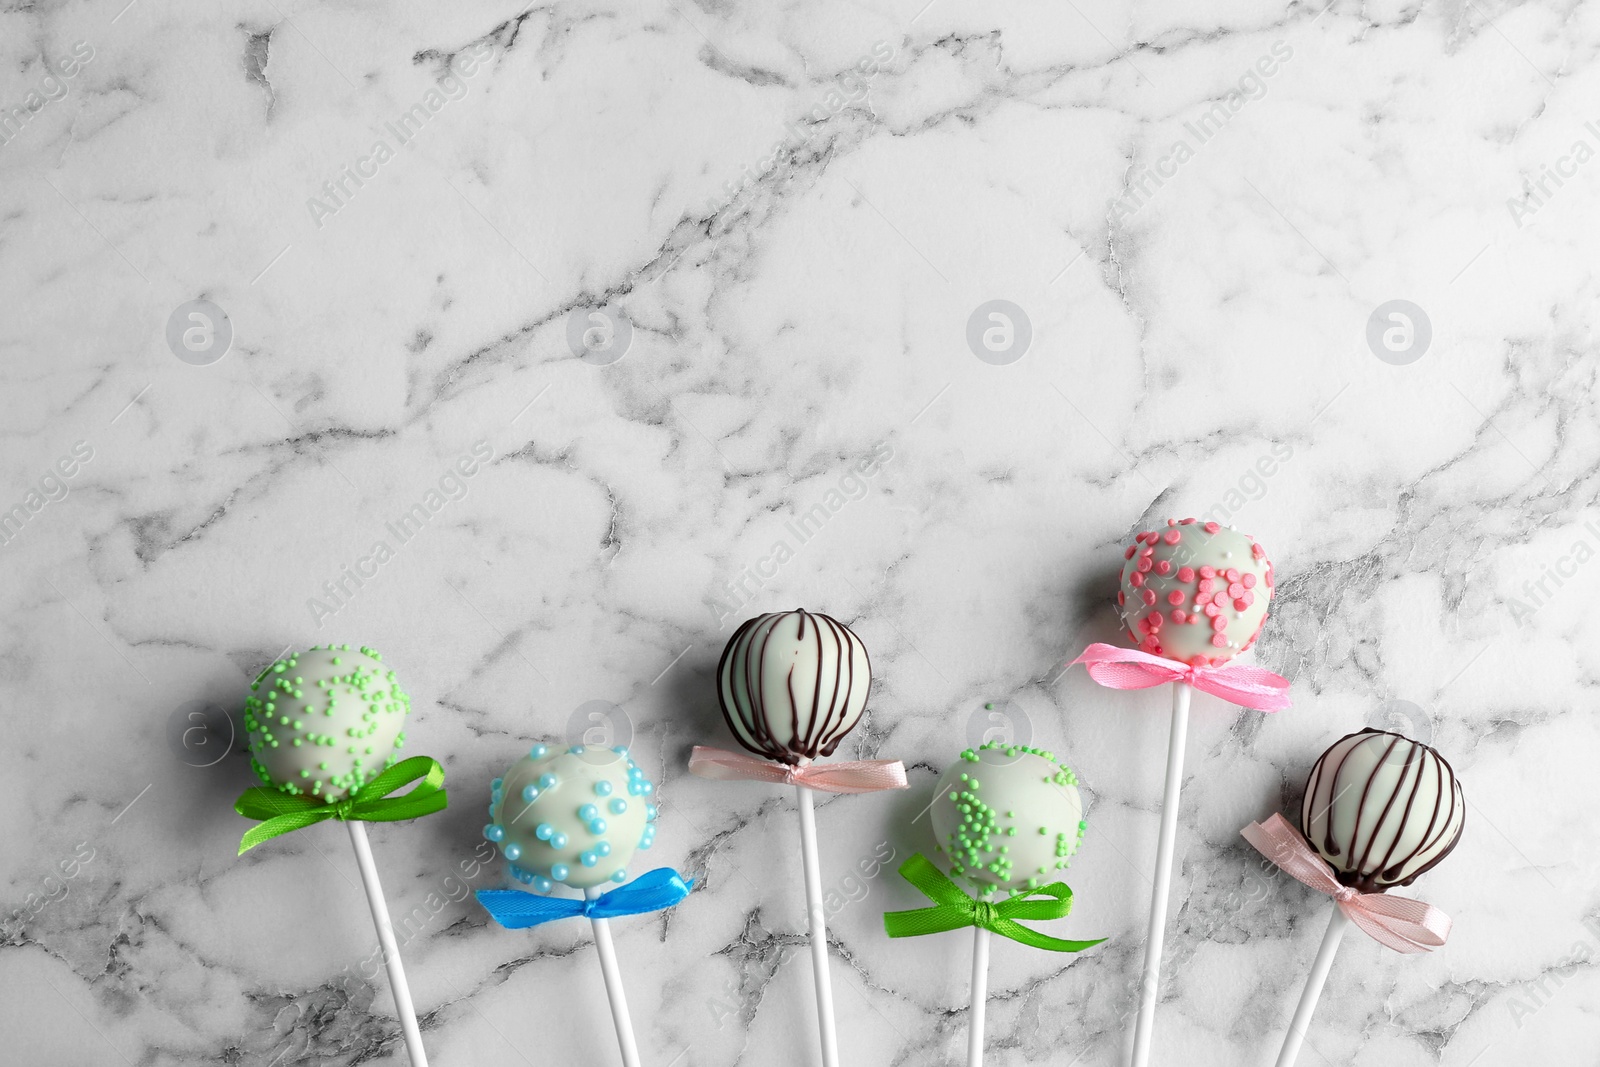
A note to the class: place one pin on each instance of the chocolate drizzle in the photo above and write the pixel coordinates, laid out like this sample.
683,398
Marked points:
1381,809
825,689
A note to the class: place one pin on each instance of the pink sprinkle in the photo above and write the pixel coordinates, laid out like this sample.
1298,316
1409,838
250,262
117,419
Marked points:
1179,617
1213,612
1240,604
1207,584
1236,590
1163,567
1154,620
1131,550
1248,599
1208,572
1148,535
1172,522
1269,577
1233,575
1172,537
1219,640
1258,552
1149,596
1175,597
1211,527
1219,623
1188,522
1198,661
1121,598
1148,550
1145,563
1185,574
1136,579
1248,581
1202,598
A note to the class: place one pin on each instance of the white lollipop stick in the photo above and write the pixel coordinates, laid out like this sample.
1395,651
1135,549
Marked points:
980,995
1149,984
391,951
613,976
1314,982
819,929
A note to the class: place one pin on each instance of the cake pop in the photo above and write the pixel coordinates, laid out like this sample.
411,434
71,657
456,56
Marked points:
1380,809
791,685
324,729
1193,595
574,817
1006,817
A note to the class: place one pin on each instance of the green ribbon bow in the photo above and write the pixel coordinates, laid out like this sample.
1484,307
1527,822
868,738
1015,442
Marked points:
282,813
954,909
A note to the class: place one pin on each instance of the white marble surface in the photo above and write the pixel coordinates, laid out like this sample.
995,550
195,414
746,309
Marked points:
782,332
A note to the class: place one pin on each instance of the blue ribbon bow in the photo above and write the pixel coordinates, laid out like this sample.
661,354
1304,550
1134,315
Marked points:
651,891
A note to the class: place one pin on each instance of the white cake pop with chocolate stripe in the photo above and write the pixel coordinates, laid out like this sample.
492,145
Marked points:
1195,592
1382,809
792,684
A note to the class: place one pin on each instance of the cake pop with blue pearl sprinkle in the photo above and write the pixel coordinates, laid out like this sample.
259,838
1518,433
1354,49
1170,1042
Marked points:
571,815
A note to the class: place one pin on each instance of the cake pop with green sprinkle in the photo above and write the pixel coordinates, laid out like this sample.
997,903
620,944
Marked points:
326,721
1008,817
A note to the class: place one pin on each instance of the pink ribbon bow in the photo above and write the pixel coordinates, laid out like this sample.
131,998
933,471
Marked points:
1399,923
1131,668
859,776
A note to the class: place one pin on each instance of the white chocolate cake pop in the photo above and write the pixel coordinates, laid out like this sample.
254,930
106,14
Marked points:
1381,809
572,815
1008,816
1195,592
325,721
792,684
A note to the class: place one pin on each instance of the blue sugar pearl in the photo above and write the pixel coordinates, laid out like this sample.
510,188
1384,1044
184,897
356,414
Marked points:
530,793
576,750
650,812
558,840
492,806
602,789
633,789
645,789
603,848
547,781
621,750
543,831
560,871
617,805
542,884
494,786
634,771
597,826
525,877
494,832
513,851
538,751
589,859
587,812
620,877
